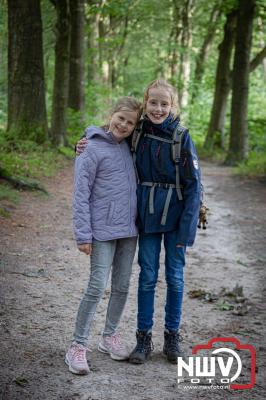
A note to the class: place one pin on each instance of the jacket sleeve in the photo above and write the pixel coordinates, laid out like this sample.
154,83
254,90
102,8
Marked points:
85,172
190,178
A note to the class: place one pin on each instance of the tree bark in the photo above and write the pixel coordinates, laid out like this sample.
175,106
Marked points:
186,43
238,144
262,43
257,60
103,65
112,59
174,41
76,60
215,135
200,61
93,50
26,89
61,76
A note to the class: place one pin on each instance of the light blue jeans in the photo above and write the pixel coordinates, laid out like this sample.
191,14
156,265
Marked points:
119,255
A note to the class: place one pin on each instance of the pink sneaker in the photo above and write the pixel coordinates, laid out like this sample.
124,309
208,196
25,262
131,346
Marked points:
114,346
76,359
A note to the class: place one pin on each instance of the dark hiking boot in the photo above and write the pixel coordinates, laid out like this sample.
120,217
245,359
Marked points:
143,348
171,346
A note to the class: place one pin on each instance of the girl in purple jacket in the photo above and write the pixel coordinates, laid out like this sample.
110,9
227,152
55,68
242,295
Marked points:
104,215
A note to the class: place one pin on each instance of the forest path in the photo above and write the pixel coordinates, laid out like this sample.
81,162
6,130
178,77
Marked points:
43,277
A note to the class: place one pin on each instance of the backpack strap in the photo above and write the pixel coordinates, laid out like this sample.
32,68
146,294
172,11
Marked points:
176,152
135,141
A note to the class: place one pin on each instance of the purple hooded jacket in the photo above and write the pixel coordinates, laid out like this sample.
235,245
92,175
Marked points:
104,201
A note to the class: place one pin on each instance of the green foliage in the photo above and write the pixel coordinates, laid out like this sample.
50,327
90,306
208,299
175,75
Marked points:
8,198
8,194
27,158
253,167
75,125
3,64
138,37
33,132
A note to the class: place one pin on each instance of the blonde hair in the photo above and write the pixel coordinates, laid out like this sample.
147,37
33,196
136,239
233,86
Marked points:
127,103
162,83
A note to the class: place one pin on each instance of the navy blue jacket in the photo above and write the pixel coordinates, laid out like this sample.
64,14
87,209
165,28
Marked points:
155,164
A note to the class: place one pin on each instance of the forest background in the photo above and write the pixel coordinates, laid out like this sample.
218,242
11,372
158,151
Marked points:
64,62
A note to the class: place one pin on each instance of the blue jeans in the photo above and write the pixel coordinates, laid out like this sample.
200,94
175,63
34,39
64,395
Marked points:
149,261
119,255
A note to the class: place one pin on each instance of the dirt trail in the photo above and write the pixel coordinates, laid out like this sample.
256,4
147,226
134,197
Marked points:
43,277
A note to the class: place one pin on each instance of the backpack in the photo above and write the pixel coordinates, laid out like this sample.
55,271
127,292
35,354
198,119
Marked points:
176,151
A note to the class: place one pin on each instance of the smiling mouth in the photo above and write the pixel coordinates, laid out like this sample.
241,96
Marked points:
122,132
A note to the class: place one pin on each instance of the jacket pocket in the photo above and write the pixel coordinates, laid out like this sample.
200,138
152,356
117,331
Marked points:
110,213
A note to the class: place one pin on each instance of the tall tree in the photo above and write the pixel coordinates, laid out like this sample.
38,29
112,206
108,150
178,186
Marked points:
238,145
215,135
26,89
262,44
174,41
185,59
76,61
92,34
203,52
61,74
113,24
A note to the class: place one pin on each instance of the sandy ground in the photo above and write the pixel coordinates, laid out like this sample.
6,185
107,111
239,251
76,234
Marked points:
43,277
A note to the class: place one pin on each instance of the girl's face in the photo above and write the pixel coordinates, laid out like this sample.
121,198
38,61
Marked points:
158,105
122,124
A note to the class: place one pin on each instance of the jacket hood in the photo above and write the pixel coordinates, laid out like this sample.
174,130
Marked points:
97,132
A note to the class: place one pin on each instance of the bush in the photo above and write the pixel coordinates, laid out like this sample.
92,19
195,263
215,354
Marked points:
254,166
28,159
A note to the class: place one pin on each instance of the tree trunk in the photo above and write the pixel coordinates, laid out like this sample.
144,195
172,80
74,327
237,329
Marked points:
200,61
76,60
61,77
238,144
215,135
174,42
260,58
103,64
186,43
262,43
26,89
93,51
112,59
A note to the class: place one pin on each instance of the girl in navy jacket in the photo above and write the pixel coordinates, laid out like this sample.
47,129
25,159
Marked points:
169,194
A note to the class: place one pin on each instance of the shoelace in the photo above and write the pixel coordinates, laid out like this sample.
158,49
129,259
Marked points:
80,353
116,340
144,344
174,340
